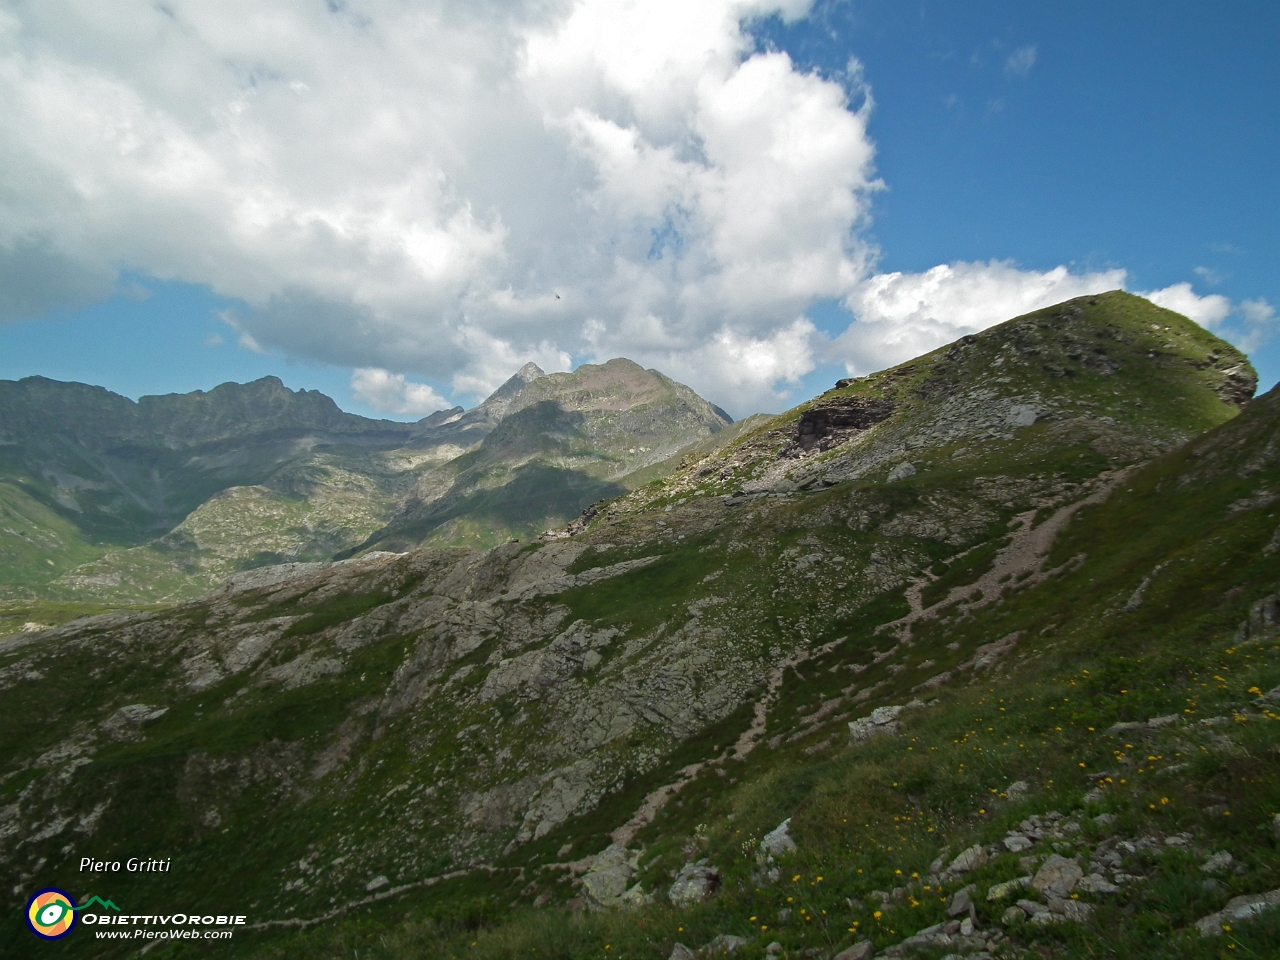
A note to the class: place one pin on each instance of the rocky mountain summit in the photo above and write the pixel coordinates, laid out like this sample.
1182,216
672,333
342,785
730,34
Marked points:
970,657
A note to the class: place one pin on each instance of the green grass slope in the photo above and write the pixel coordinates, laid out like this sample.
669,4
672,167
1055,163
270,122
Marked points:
421,755
1145,614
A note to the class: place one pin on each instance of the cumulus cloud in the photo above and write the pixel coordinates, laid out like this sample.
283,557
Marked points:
403,185
902,315
1208,311
1248,324
392,393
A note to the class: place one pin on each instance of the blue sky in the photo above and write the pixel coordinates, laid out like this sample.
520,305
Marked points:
1134,137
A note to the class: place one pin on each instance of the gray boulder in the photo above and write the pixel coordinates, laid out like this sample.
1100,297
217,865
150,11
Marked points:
695,883
723,945
968,860
1239,908
863,950
1057,877
778,840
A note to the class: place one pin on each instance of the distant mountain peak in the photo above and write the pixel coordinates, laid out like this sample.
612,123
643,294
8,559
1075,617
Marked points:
530,371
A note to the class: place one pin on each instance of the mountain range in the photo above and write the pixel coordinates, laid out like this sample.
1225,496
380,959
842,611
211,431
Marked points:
105,498
976,656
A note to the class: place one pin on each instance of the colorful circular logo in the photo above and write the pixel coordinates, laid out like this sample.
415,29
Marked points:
51,914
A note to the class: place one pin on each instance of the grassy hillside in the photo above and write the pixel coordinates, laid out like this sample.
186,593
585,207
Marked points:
449,754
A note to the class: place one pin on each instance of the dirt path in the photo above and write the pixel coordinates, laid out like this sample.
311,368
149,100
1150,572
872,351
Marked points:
1021,562
745,743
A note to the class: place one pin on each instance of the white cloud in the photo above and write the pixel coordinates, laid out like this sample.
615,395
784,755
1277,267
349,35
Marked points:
402,185
1248,325
1020,62
1207,311
902,315
391,393
1260,324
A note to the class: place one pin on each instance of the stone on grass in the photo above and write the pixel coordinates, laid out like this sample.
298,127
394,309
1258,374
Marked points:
1096,883
1001,890
970,859
1237,909
1218,862
1074,910
1017,790
863,950
607,882
1016,843
901,472
1057,877
778,840
881,720
723,945
695,883
681,952
962,902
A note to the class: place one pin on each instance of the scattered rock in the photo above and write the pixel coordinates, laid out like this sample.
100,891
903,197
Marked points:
723,945
1074,910
970,859
1017,790
778,841
377,883
902,471
962,902
773,949
1218,862
1264,617
606,881
1016,843
863,950
1239,908
1096,883
881,720
695,883
1057,877
1001,890
124,724
681,952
